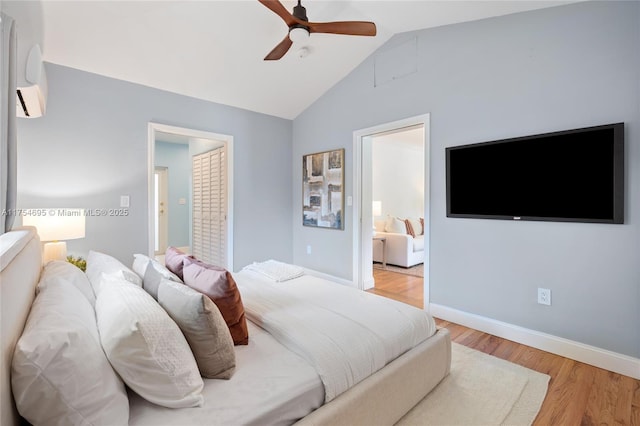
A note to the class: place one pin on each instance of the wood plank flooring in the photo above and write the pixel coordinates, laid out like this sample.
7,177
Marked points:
578,394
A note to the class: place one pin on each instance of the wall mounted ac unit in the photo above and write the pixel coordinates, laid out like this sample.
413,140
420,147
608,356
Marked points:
31,96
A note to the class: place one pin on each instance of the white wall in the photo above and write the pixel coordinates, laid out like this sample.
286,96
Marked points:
552,69
398,177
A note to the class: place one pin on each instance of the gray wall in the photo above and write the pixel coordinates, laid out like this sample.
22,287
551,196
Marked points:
552,69
91,147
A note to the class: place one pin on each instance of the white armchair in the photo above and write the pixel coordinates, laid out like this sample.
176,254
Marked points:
401,249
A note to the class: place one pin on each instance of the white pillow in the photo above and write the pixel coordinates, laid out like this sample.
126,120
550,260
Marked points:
203,326
417,227
395,225
60,374
58,270
100,263
140,262
146,347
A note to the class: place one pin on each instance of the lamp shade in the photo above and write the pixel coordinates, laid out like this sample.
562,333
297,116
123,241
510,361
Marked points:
57,224
377,208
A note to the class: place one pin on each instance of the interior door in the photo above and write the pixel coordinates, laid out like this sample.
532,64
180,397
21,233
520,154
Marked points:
161,209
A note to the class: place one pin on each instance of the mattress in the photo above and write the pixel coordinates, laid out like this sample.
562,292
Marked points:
271,385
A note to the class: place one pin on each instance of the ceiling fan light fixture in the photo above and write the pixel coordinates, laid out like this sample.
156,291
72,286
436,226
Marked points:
299,35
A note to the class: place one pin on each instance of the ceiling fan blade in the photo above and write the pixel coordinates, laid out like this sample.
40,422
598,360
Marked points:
279,51
360,28
277,7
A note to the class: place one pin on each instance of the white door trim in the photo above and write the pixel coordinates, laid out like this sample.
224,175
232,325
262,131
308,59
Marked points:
163,225
361,236
153,128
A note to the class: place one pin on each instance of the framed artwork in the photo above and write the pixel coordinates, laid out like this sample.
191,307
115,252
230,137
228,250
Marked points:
323,189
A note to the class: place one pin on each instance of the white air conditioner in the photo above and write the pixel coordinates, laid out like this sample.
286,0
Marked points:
31,96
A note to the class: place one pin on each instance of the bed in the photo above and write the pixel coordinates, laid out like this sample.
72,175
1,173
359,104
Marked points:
272,383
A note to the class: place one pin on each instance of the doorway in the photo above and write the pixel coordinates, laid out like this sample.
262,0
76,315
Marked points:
161,214
363,226
180,206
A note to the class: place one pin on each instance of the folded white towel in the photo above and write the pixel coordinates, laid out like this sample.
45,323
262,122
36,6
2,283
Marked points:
277,271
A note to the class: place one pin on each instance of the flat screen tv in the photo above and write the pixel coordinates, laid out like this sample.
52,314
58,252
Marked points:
568,176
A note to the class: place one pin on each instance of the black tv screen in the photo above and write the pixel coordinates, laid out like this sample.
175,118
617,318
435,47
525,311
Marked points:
568,176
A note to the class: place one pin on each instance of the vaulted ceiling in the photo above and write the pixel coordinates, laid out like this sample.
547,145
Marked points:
214,50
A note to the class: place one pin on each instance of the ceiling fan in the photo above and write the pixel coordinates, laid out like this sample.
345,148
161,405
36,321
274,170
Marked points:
300,27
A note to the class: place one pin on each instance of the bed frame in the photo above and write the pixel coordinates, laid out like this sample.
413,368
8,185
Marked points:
383,398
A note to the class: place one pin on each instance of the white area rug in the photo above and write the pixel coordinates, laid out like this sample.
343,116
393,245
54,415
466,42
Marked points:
481,390
417,270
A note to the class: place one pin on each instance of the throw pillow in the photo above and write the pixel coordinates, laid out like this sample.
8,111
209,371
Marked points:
152,272
139,265
174,260
422,224
409,228
58,271
417,226
99,264
60,374
146,347
218,284
203,326
395,225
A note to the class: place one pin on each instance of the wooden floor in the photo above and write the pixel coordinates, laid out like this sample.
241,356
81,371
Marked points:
578,394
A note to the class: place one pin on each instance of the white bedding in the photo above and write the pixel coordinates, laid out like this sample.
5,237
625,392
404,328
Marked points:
346,334
276,271
271,386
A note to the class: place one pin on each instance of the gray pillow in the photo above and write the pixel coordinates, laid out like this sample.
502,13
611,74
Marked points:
203,326
153,274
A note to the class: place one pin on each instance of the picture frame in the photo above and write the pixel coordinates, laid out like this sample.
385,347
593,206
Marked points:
323,189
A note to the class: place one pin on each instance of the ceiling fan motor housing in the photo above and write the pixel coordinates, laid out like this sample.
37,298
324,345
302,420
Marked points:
300,12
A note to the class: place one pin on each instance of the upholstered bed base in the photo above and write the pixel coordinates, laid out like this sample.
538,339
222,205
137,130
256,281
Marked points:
386,396
20,265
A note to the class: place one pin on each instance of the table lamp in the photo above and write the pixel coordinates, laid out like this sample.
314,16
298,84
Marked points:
55,227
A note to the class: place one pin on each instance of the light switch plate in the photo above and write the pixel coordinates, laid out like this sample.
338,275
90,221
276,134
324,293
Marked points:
124,201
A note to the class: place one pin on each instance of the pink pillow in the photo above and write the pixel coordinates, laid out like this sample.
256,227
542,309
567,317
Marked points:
218,284
174,260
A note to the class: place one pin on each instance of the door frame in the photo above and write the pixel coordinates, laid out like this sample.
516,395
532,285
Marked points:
227,140
163,194
362,226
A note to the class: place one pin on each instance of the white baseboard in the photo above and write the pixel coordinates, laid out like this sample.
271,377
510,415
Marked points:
328,277
602,358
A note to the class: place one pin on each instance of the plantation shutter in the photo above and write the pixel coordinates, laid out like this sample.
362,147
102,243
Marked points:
210,207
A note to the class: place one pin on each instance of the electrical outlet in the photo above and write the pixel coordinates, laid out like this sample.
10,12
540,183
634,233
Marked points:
308,249
544,296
